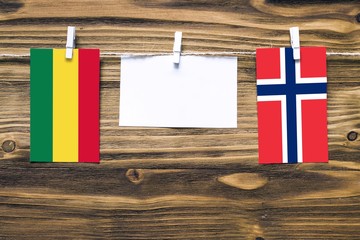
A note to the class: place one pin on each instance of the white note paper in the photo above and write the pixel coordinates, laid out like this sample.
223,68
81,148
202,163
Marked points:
200,92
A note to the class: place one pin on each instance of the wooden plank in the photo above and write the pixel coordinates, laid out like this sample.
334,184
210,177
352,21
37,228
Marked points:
149,25
189,147
179,183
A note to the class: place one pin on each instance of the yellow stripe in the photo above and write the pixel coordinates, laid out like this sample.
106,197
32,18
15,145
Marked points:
65,107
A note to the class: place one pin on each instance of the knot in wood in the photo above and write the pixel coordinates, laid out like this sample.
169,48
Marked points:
245,181
259,238
8,146
135,176
358,18
352,136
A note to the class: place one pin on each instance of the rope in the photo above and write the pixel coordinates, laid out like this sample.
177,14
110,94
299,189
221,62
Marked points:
126,54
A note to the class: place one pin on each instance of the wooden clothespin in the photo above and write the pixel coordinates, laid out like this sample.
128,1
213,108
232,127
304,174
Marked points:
177,47
70,42
295,42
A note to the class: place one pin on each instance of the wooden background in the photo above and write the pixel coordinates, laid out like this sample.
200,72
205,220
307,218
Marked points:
180,183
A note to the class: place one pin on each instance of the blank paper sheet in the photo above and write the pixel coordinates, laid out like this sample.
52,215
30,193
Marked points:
200,92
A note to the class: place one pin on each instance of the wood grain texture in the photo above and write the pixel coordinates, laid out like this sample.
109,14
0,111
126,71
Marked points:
165,183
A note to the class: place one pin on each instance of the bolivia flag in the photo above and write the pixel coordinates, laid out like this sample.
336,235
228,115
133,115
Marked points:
64,105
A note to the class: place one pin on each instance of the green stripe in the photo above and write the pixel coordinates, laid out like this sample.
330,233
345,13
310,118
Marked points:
41,105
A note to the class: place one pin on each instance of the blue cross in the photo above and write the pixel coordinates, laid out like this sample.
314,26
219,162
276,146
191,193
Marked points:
290,89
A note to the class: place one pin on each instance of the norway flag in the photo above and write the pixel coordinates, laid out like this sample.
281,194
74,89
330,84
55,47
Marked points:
291,98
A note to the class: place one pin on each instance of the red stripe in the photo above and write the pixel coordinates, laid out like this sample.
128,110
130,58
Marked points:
313,62
268,63
314,131
269,127
89,136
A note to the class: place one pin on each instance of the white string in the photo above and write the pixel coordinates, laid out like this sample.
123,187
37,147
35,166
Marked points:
14,55
342,54
128,54
182,53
